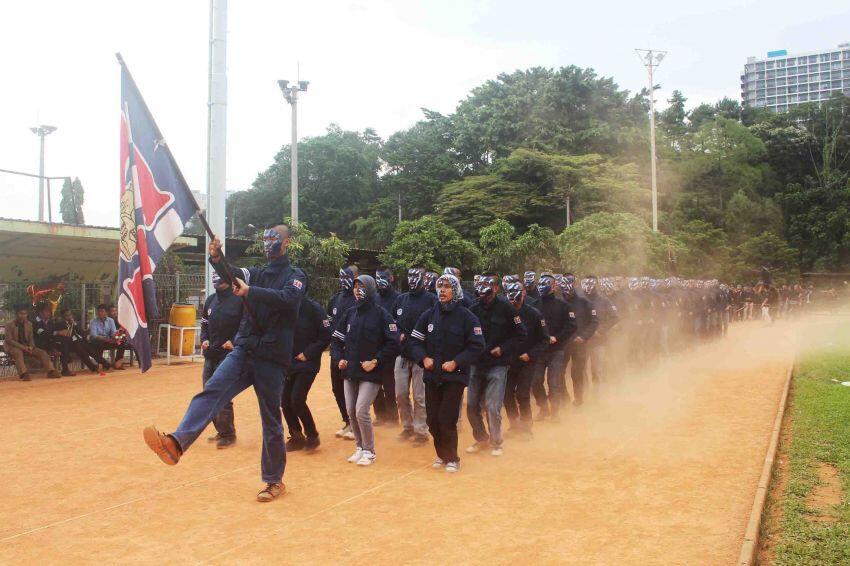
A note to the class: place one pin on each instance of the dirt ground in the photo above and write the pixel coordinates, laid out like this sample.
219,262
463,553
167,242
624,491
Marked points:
658,468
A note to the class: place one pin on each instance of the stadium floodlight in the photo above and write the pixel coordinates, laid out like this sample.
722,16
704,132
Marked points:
651,58
290,93
41,131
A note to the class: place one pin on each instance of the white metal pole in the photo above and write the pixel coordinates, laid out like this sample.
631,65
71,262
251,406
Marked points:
294,156
41,179
216,126
652,147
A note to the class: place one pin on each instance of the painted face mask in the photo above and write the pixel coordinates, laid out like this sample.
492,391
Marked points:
431,281
216,280
346,281
360,294
589,286
484,287
382,279
272,243
568,289
570,278
415,279
528,278
513,291
545,286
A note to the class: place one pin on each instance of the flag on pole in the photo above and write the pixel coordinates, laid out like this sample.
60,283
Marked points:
155,206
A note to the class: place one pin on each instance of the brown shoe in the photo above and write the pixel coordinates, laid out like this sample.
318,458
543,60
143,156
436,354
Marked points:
272,491
25,377
53,374
163,445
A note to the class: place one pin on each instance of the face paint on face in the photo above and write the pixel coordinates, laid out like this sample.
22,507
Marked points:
431,281
589,286
360,293
545,286
346,280
485,287
272,243
415,279
514,292
570,278
528,278
383,280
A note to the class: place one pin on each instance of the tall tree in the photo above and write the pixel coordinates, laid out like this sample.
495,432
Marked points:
71,203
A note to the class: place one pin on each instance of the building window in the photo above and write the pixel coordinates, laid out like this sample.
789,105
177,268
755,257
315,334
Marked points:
792,61
804,97
771,74
770,64
835,55
836,84
780,72
835,65
792,80
813,58
813,68
792,89
824,86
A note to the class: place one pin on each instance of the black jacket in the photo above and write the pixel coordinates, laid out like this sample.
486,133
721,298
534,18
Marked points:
42,333
275,295
365,332
585,316
312,336
445,334
606,311
220,322
407,310
558,320
537,340
502,327
341,301
387,298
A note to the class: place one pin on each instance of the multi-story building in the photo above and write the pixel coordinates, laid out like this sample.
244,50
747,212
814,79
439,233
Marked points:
781,81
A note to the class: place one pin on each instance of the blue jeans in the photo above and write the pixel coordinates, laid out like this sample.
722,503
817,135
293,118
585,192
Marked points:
486,391
239,371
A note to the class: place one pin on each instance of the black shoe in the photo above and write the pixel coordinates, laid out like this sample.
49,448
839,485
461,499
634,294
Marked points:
68,373
225,442
214,438
406,434
294,443
311,443
420,439
25,377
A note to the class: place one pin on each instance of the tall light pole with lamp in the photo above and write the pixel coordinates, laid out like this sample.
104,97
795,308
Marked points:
41,131
290,93
651,58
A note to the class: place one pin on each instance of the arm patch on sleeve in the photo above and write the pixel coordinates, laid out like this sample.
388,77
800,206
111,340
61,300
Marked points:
517,320
477,331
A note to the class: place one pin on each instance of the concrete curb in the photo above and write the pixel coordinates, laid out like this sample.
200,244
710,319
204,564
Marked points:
749,549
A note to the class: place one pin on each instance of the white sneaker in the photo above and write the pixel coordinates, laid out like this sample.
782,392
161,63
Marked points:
356,456
497,451
475,448
341,432
366,459
349,435
438,463
453,467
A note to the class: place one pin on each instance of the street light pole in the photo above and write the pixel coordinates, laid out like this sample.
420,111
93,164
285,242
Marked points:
651,59
290,93
41,131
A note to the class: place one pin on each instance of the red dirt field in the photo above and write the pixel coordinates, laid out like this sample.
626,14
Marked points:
658,468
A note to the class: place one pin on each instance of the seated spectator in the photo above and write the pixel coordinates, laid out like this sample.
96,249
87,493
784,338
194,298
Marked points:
121,334
20,344
102,333
44,334
67,334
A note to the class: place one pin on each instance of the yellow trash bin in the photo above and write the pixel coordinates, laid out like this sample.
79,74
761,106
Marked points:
182,315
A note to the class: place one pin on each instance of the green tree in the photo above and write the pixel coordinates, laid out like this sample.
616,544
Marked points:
497,246
745,217
71,204
767,249
616,243
317,256
705,251
672,119
430,242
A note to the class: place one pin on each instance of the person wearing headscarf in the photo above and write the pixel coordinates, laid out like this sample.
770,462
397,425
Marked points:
446,340
365,342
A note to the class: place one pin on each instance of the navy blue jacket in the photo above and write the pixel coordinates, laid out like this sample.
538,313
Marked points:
585,316
558,320
220,322
407,310
312,336
445,334
338,305
275,295
365,332
537,340
606,311
387,299
502,327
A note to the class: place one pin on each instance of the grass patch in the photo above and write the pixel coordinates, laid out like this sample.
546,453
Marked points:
812,530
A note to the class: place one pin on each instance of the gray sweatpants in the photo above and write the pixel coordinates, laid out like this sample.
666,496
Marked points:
359,396
409,373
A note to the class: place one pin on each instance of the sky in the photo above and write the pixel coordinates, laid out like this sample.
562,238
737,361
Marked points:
371,64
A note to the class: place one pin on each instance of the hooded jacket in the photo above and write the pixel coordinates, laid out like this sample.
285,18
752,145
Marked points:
220,322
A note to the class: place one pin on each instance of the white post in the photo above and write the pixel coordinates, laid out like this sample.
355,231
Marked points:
41,181
652,151
294,157
216,126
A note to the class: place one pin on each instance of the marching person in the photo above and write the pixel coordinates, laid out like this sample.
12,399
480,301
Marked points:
503,333
608,316
20,344
431,282
549,369
386,410
408,374
312,336
465,299
337,307
262,353
532,295
521,370
576,353
446,340
364,341
219,325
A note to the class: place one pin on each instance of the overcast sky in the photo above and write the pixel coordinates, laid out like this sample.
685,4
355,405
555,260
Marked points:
370,64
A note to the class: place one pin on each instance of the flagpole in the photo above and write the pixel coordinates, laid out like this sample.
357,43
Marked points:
198,210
